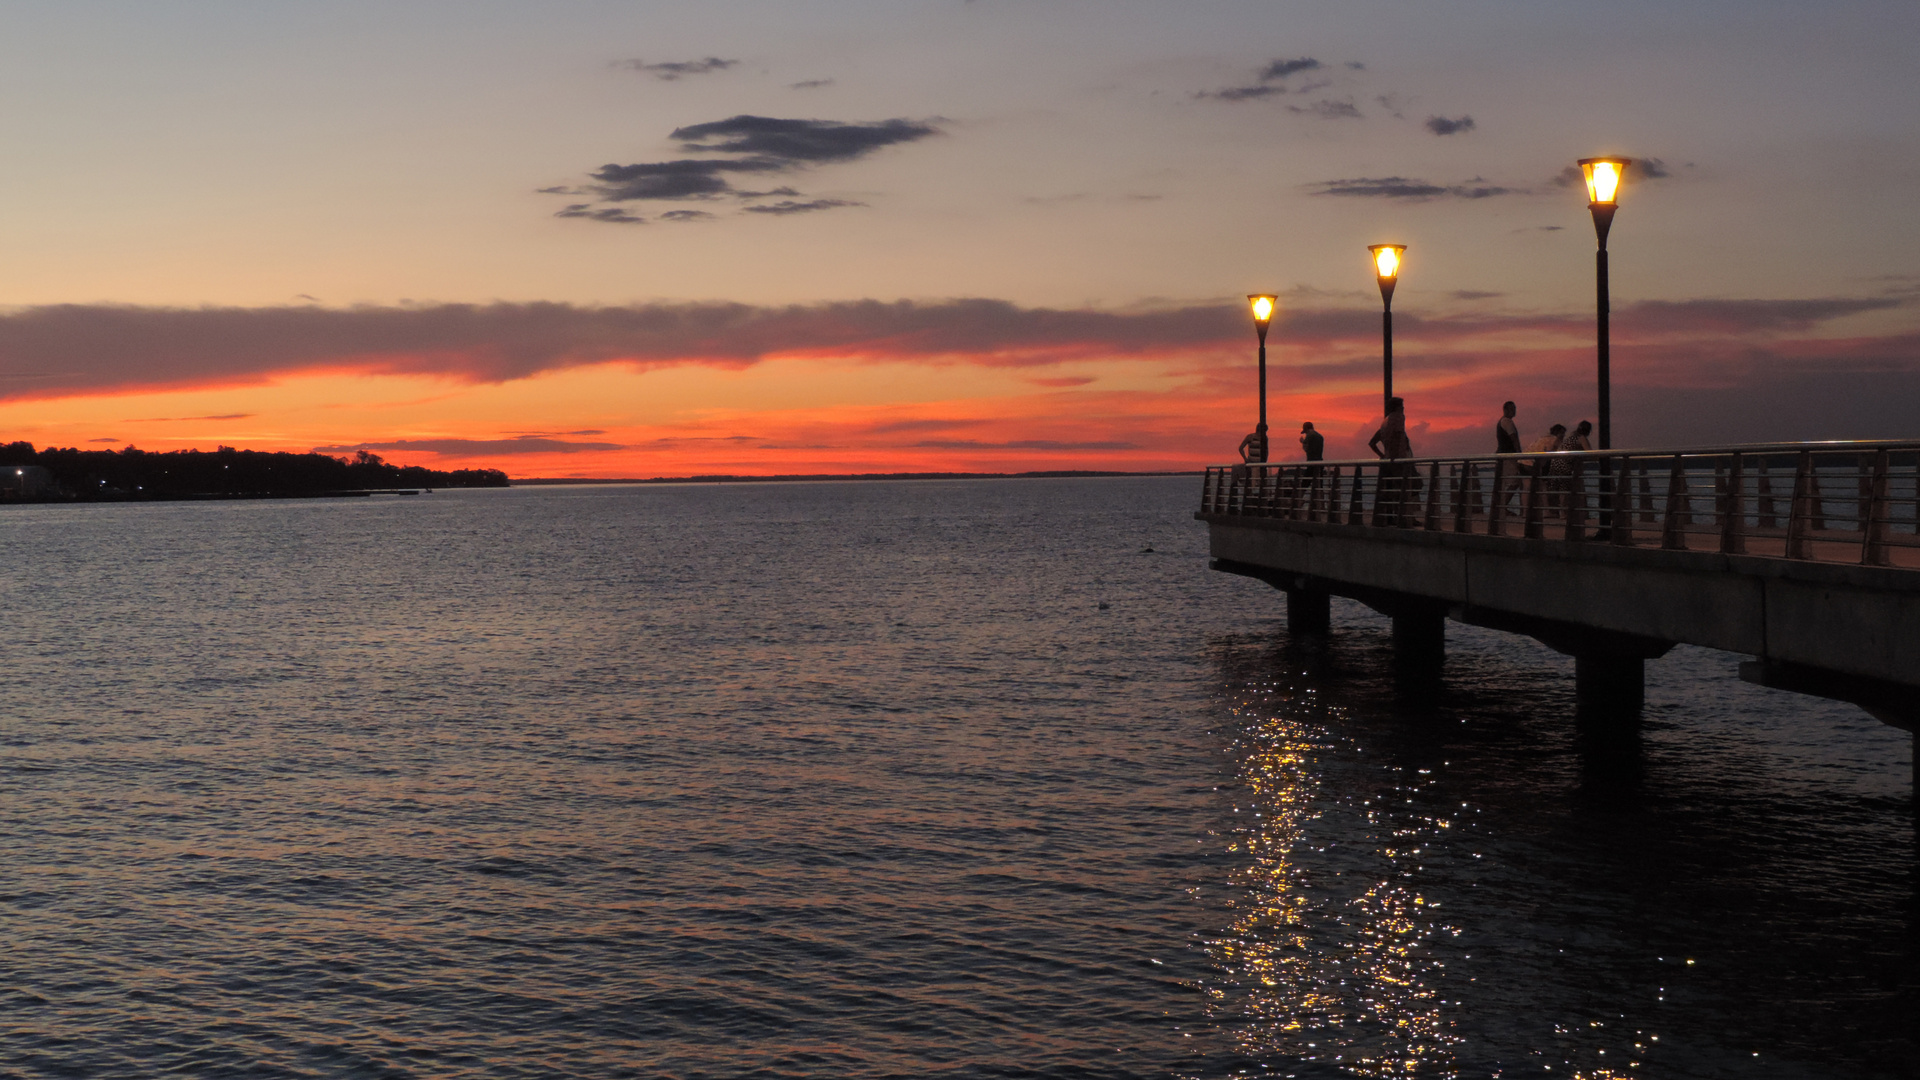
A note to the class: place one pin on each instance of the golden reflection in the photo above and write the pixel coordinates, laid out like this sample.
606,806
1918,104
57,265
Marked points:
1325,958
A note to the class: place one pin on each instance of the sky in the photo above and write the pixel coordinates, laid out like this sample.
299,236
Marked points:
631,239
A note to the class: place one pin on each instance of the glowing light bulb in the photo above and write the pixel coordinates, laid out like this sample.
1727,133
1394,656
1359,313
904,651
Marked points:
1262,308
1603,178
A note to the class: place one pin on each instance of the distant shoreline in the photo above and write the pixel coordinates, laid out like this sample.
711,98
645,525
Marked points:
729,478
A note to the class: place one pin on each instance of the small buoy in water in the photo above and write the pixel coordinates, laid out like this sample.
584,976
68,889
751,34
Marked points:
1103,605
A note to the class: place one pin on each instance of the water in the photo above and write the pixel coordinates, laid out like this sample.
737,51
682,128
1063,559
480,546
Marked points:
868,780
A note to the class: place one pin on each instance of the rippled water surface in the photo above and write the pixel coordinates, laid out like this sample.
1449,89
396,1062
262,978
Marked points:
970,779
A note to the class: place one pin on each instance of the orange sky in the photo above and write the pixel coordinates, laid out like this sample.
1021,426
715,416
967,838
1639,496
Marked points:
882,390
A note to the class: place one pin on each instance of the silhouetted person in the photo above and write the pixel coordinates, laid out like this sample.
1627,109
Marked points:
1312,442
1578,440
1253,451
1253,448
1391,440
1553,441
1506,433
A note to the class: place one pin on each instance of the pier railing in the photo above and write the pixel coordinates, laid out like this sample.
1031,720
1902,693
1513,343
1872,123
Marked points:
1849,502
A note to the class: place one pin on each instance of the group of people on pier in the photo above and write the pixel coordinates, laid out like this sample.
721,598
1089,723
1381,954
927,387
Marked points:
1390,442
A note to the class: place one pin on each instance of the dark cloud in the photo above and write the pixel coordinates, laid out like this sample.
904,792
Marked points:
810,84
685,215
561,189
1473,294
799,141
791,207
672,70
1268,80
523,444
1328,110
1280,69
688,179
612,214
103,440
1242,93
757,144
70,349
1400,187
1744,316
1440,125
75,349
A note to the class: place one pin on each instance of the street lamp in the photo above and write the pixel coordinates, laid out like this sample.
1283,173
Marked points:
1386,266
1262,317
1603,192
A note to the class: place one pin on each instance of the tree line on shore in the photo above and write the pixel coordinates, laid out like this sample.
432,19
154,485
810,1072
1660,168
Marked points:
133,473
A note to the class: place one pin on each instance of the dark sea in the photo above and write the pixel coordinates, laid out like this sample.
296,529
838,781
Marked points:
860,780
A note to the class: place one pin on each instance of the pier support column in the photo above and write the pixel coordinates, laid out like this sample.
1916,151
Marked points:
1420,637
1309,611
1609,680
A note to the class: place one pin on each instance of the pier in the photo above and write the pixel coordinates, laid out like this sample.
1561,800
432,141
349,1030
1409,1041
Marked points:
1803,556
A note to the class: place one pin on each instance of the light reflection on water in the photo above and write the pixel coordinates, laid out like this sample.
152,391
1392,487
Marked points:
1325,967
1463,876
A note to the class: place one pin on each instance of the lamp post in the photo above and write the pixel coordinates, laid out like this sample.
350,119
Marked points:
1603,192
1386,266
1262,316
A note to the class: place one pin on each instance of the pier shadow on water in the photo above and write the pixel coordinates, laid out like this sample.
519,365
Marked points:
1462,873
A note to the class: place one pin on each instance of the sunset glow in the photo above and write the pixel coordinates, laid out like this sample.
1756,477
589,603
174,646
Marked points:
517,242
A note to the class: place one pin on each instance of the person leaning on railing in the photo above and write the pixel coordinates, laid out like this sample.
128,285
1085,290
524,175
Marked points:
1391,443
1253,451
1549,443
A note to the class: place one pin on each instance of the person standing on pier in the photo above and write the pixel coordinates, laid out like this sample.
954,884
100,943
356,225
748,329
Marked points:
1253,448
1253,451
1396,480
1554,440
1391,440
1312,442
1506,433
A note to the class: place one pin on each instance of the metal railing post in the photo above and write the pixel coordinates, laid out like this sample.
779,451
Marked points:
1497,499
1530,510
1800,510
1433,498
1874,513
1576,510
1733,511
1671,535
1621,533
1465,480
